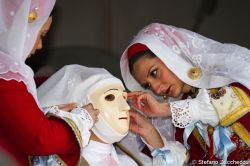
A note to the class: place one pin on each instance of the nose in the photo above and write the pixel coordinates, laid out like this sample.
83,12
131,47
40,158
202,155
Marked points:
155,87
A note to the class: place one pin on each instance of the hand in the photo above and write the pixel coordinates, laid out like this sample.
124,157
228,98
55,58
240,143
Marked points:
140,125
149,105
92,112
67,107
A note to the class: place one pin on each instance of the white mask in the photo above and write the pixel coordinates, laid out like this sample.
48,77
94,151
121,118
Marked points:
110,100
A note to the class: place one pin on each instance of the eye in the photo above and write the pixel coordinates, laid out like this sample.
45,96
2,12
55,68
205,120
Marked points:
110,97
153,73
146,86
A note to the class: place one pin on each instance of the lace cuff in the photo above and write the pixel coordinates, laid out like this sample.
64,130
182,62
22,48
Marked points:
190,111
78,119
180,110
173,153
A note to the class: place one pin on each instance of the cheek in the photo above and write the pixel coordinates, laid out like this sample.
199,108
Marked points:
107,110
165,77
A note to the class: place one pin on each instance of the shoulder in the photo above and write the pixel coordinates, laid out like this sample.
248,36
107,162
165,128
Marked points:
11,85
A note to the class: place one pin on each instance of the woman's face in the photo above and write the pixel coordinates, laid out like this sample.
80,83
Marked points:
151,73
42,33
111,101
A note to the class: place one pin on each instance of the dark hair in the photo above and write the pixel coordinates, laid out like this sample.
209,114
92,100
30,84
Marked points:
135,57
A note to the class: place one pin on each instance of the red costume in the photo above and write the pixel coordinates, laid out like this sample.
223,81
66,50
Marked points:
24,130
201,154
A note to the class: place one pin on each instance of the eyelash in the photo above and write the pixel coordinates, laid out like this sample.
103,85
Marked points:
153,73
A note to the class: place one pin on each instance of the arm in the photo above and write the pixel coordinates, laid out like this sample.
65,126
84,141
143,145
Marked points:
183,112
163,151
140,125
148,104
28,128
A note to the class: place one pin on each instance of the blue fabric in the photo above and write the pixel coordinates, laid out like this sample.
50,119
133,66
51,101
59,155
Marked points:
188,130
223,144
165,154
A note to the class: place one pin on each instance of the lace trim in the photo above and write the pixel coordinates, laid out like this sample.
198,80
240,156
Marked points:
84,115
79,112
181,116
52,109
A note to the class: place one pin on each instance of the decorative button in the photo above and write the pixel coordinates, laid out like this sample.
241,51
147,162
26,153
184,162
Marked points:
32,16
194,73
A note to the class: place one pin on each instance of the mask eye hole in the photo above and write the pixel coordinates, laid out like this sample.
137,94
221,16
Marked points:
110,97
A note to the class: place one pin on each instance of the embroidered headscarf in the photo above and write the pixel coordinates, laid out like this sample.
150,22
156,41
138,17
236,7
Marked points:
75,83
198,61
20,23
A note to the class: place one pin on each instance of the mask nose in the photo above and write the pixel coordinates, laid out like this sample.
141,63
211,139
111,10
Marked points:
123,104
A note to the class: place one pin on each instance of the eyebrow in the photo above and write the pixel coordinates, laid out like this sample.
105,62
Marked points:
149,71
110,90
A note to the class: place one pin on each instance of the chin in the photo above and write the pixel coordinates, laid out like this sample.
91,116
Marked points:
176,94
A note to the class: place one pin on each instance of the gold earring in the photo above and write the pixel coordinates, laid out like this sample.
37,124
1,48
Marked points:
165,98
33,15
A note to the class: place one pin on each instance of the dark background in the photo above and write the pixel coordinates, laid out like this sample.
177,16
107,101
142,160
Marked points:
96,32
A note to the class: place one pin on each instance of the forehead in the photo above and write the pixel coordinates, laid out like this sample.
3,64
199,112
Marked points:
107,88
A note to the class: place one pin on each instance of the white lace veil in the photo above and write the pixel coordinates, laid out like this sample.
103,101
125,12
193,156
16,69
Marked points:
73,83
17,37
182,50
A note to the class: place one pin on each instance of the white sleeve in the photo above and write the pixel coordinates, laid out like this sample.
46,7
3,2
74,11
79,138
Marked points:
126,160
78,119
172,153
190,111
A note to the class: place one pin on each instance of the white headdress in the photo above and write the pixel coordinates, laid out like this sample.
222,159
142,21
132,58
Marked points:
74,83
184,51
18,35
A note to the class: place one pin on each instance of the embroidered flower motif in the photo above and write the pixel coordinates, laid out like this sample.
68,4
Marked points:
217,93
71,83
196,59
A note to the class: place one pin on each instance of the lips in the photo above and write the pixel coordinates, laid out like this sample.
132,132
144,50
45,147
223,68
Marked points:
167,91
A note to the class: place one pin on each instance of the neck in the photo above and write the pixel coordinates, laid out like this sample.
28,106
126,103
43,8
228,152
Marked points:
95,138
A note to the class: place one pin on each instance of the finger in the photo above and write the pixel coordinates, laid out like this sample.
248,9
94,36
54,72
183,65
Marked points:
138,118
132,95
88,106
141,99
132,114
134,128
135,93
96,112
67,107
